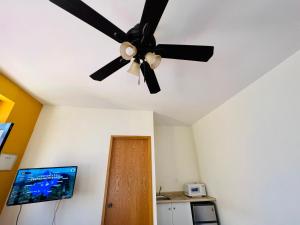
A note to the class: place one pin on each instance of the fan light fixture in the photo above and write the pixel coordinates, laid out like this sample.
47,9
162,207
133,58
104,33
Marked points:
127,50
134,68
153,60
141,35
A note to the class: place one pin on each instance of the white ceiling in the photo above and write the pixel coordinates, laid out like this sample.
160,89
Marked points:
51,53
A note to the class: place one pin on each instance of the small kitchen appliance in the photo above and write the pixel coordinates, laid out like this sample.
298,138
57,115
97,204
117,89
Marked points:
204,213
194,190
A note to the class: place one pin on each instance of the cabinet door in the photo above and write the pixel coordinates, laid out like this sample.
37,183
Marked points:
182,214
164,214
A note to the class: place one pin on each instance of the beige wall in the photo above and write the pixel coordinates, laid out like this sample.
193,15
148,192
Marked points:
249,150
175,154
77,136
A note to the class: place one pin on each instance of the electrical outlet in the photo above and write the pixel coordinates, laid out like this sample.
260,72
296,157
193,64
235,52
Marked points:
7,161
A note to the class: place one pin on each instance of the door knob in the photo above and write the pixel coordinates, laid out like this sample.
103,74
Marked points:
109,205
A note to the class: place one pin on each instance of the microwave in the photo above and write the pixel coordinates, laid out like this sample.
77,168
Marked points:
194,190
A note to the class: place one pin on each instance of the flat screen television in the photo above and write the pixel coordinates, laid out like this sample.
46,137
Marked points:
5,129
42,184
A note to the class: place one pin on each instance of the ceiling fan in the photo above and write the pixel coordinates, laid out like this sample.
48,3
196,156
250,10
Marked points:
138,44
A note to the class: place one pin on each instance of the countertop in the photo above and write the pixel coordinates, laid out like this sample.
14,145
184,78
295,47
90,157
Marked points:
177,197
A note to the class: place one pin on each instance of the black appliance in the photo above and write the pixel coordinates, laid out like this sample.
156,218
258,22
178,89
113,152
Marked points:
204,213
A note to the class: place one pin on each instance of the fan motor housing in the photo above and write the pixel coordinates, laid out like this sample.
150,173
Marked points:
135,37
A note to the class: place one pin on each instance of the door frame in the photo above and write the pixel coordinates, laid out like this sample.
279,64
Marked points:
112,137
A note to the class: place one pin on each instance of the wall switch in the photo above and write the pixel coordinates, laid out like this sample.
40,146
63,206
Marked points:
7,161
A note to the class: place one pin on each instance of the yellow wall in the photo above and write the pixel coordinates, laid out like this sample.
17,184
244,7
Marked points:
24,114
6,106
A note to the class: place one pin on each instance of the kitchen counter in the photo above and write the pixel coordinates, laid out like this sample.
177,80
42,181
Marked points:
177,197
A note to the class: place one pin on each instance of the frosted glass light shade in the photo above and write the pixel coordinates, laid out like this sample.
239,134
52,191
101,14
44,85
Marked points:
134,68
127,50
153,60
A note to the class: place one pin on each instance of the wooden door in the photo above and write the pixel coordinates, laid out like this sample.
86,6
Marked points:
128,198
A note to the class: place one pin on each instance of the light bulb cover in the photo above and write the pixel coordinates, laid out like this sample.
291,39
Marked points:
134,68
153,60
123,50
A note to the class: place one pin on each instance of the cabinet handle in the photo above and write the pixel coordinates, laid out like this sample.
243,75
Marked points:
174,208
169,208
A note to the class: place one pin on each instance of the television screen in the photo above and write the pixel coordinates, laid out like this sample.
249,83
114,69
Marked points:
4,132
42,184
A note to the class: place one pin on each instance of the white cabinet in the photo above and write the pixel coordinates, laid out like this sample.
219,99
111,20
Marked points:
174,214
164,214
182,214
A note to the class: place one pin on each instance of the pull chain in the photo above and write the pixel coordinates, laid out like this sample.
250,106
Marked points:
139,81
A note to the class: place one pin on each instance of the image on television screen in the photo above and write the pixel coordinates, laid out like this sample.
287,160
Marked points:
4,132
42,184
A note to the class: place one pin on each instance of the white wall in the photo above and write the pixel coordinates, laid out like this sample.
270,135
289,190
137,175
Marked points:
175,157
249,150
77,136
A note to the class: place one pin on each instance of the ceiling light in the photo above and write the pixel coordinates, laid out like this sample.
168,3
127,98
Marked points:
127,50
135,67
153,60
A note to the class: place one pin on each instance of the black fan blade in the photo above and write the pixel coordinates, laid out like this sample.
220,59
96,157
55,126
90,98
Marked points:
185,52
90,16
110,68
152,13
150,78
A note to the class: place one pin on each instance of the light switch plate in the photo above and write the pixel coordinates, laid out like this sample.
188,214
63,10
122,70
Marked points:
7,161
